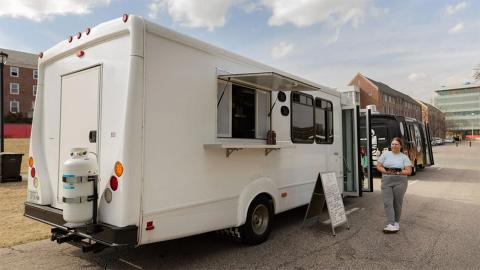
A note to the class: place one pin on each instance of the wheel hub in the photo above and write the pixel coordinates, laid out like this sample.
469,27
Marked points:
260,219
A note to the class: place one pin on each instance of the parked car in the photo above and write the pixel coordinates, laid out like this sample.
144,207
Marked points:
438,141
449,140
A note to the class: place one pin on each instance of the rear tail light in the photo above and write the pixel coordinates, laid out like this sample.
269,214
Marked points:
114,183
33,172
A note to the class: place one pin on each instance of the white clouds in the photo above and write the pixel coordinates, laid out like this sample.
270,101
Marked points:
417,77
457,28
456,8
282,49
154,7
47,9
193,13
308,12
250,7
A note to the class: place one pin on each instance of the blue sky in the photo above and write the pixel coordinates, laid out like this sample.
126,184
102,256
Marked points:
414,46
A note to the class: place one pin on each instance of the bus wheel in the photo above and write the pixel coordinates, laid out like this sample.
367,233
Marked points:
259,221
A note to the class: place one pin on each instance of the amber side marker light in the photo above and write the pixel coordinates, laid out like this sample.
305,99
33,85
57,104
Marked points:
30,162
118,169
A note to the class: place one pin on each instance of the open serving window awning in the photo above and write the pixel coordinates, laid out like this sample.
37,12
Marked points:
268,81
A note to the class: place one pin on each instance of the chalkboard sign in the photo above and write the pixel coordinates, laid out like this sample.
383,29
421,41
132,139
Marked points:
336,209
326,191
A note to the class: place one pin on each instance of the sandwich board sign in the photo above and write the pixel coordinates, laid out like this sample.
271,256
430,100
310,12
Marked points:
326,191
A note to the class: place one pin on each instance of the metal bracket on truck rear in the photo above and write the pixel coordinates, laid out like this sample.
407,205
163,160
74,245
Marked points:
101,233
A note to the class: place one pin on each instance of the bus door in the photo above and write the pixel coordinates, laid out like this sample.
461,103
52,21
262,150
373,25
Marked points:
365,151
351,159
428,145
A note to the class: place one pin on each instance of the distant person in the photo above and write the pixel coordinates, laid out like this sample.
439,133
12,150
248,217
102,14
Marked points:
394,166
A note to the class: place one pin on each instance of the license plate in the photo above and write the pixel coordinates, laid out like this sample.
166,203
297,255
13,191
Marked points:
33,195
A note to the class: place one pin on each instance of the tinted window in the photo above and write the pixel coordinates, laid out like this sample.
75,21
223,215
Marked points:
302,118
323,121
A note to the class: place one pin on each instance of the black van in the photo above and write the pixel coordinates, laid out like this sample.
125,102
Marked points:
385,127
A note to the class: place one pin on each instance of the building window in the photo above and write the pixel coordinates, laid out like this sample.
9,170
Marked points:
14,71
14,89
35,74
34,90
303,130
14,106
323,121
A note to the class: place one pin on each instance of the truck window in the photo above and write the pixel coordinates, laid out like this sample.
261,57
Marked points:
303,130
323,121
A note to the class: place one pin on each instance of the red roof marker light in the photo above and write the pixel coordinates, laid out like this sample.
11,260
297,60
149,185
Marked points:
80,53
125,18
70,39
79,35
87,31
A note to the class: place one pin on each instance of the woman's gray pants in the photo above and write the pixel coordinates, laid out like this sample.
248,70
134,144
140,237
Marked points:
393,190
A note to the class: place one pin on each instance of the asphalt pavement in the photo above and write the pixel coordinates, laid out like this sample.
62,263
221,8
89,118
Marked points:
439,230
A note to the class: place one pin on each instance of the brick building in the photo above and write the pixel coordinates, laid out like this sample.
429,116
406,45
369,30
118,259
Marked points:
386,99
20,83
435,119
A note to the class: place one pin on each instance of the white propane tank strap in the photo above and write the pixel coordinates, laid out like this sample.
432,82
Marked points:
80,199
79,179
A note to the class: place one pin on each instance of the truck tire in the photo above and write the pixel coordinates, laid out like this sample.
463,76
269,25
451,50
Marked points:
259,221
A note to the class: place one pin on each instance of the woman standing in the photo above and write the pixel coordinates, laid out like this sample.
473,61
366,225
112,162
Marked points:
394,166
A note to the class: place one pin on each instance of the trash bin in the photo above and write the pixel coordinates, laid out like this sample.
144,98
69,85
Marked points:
10,164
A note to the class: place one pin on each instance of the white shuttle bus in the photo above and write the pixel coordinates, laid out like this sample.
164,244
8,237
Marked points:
141,134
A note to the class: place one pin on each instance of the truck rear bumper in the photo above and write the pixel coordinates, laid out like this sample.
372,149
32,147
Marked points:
101,233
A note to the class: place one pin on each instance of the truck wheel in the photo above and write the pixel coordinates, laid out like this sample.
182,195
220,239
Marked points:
259,221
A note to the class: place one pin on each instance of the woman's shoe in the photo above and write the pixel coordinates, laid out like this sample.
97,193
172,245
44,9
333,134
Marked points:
390,229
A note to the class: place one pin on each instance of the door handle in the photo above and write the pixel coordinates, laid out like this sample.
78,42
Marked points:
92,136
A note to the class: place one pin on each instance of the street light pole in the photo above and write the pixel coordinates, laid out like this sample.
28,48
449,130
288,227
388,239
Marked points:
3,60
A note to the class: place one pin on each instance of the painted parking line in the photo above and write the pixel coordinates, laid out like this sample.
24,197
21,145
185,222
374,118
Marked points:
129,263
413,182
346,213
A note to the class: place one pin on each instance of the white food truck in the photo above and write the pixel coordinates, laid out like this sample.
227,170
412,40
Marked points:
141,134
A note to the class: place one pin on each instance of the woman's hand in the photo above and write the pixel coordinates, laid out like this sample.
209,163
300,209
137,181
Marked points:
406,171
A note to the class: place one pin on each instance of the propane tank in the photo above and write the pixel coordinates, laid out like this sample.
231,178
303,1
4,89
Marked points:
79,182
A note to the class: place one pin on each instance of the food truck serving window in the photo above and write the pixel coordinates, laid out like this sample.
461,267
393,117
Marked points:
242,112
